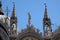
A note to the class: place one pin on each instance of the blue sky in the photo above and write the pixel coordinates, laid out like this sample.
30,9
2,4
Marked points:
36,9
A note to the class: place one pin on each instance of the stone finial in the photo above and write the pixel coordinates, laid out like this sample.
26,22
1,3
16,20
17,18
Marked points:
29,18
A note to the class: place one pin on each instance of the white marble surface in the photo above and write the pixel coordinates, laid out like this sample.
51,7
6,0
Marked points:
2,18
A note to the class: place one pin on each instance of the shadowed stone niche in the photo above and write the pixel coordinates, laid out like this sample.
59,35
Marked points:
1,38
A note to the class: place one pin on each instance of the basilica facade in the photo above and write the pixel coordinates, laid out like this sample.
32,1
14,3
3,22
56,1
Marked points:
8,28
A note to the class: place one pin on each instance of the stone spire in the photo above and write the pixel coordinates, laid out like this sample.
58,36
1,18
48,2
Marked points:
13,12
46,12
47,25
13,23
7,11
46,19
1,10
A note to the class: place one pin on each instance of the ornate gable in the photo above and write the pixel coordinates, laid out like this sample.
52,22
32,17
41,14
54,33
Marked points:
30,32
